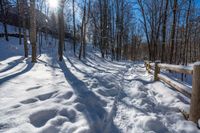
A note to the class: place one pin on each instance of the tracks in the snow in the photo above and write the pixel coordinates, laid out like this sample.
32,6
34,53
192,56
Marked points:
108,83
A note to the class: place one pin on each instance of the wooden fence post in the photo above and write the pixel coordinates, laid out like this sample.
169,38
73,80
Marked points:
148,67
195,100
157,71
145,63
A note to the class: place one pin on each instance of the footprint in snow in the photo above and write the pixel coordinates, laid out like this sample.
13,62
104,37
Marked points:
40,118
67,95
33,88
70,114
46,96
3,126
28,101
16,106
41,97
80,107
154,125
61,82
108,92
59,120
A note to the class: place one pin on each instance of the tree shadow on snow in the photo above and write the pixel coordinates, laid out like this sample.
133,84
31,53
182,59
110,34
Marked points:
144,82
92,66
51,64
23,70
98,118
101,65
12,64
72,64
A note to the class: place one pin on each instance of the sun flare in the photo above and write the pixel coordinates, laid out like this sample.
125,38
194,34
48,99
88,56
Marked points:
53,3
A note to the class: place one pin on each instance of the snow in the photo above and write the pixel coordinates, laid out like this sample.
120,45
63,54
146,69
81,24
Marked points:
94,95
197,63
187,90
184,79
10,28
199,122
187,68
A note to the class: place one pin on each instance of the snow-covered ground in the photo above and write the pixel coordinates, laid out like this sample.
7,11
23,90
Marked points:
94,95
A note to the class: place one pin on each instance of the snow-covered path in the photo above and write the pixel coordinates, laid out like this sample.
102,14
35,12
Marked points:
93,95
48,95
150,106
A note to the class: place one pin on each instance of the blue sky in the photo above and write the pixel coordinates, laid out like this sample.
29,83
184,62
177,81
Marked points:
197,2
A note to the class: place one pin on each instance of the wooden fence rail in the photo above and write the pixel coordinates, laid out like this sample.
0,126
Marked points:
193,93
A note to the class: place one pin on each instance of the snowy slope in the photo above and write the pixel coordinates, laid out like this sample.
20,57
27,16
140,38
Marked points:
10,28
88,96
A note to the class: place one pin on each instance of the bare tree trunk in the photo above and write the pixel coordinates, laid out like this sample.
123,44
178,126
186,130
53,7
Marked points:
3,12
23,14
164,31
122,29
178,46
61,30
74,23
101,29
186,34
19,20
145,27
33,30
117,30
158,29
173,31
85,30
83,33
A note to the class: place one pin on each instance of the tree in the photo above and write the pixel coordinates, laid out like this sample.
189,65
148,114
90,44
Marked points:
74,25
61,29
4,10
173,30
145,26
185,59
85,20
19,20
33,30
164,31
23,12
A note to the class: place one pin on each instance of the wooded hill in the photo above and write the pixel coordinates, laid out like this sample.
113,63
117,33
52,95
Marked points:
166,30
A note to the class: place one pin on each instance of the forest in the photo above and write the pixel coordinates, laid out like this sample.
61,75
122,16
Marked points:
100,66
119,29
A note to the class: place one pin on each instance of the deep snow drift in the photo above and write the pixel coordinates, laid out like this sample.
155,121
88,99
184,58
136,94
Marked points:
89,96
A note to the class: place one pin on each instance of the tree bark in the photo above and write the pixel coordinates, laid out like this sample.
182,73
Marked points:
33,30
3,12
23,14
74,23
61,30
173,31
164,31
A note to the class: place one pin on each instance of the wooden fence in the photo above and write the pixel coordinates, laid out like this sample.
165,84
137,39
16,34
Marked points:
193,93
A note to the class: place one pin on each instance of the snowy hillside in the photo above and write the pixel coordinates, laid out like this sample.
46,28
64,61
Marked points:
94,95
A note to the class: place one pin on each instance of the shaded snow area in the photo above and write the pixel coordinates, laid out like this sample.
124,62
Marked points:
89,96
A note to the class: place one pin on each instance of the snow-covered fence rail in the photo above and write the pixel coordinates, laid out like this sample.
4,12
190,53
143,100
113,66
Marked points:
193,93
177,68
